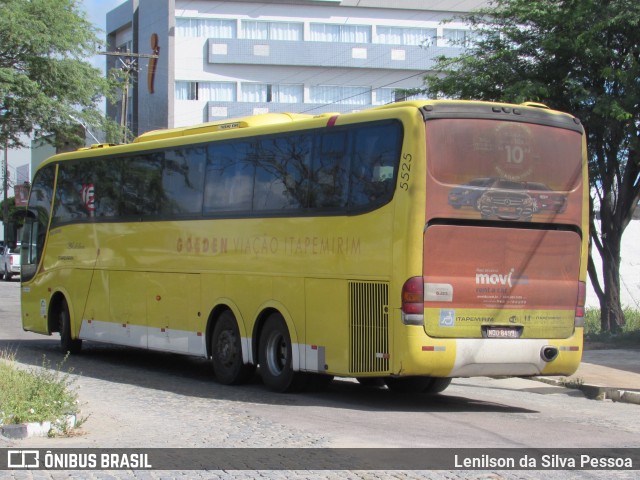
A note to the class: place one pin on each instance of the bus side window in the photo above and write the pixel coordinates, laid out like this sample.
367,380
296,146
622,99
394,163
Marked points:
39,210
104,175
183,180
282,165
229,179
329,177
142,192
69,204
373,165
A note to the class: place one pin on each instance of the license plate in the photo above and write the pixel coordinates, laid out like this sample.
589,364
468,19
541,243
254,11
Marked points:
503,332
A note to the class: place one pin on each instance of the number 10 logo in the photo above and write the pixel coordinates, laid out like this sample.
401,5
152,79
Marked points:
515,155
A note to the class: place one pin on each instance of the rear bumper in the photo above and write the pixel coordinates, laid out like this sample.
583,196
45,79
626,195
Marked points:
469,357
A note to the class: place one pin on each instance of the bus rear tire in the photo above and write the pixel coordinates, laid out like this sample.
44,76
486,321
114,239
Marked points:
226,352
408,384
275,356
67,342
438,385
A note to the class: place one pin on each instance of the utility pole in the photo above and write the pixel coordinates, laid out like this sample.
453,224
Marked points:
5,187
129,66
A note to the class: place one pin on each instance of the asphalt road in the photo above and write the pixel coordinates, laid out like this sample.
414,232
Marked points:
132,398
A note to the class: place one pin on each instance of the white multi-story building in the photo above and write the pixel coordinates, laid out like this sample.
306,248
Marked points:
225,59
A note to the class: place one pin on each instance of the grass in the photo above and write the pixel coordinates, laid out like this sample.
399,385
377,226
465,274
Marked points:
629,335
39,395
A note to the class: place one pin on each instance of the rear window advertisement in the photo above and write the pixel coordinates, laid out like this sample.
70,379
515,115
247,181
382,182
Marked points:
513,277
503,171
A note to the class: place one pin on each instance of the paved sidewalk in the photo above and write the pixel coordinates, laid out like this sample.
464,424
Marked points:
606,374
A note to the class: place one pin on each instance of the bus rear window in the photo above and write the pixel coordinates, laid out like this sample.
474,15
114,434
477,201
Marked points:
502,170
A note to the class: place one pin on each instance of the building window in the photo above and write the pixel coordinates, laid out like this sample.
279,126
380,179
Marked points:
217,91
406,36
267,93
289,94
328,94
207,91
186,90
325,32
456,37
205,27
126,47
255,30
384,96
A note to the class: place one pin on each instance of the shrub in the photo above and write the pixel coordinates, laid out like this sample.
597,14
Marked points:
38,395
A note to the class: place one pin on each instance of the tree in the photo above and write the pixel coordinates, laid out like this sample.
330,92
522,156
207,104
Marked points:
46,86
582,57
16,214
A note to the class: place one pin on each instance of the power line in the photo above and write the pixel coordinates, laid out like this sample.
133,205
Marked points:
129,67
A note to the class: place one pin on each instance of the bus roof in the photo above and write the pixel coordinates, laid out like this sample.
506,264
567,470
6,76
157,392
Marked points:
221,125
428,108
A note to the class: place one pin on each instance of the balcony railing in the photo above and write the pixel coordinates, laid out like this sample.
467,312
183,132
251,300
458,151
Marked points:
324,54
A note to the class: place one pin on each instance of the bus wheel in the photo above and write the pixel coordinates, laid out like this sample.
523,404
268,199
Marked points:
438,385
68,344
226,352
408,384
276,357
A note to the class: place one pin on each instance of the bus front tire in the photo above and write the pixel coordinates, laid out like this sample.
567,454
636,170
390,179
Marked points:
226,352
67,343
275,356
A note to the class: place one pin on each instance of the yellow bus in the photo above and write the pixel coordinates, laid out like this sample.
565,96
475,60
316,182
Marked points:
407,244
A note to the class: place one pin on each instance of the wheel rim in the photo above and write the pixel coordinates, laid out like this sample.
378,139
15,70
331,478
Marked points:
277,354
226,349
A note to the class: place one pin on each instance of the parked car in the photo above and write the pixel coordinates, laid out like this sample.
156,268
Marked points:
467,195
11,262
506,200
546,199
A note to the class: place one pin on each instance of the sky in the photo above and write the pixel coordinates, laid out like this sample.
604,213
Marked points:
97,10
97,13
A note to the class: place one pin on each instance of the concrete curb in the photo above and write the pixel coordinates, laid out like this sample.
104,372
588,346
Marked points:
596,392
21,431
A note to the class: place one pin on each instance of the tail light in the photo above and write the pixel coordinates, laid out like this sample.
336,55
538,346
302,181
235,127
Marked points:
413,301
582,300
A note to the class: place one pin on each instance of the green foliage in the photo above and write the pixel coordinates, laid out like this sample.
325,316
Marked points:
581,57
629,334
578,56
44,79
16,214
40,395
